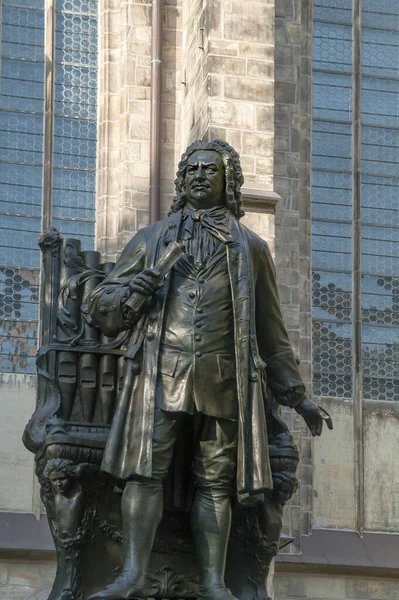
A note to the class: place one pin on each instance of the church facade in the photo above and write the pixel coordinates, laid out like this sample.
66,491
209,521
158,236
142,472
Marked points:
307,92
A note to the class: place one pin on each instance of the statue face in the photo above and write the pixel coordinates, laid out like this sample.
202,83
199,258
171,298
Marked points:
205,179
60,481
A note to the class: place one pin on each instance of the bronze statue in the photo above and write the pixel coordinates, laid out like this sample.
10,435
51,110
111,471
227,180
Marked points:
157,386
208,352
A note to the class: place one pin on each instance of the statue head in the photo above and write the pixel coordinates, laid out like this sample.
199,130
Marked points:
209,174
61,473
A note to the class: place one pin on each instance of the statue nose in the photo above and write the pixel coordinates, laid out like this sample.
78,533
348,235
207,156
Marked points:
200,172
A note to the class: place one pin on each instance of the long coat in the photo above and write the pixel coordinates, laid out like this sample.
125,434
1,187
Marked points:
262,350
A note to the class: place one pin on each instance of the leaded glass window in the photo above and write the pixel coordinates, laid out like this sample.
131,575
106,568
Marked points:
380,199
21,165
22,114
331,227
75,122
333,230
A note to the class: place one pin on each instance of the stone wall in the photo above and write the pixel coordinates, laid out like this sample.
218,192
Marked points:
196,85
124,117
19,489
24,579
334,485
334,587
229,80
292,183
218,81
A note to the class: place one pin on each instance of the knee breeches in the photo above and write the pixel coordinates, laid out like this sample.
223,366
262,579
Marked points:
214,452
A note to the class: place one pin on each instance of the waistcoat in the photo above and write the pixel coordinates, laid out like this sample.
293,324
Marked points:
197,360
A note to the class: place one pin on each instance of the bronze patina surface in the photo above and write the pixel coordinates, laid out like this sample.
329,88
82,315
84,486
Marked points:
192,462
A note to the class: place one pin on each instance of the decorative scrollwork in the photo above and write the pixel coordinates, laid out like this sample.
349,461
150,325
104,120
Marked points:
256,543
165,583
70,292
50,239
110,531
44,417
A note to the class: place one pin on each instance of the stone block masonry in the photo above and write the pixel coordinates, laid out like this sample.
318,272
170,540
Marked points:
27,579
124,117
228,57
293,243
218,81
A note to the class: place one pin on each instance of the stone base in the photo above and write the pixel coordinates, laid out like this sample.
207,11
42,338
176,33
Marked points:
32,578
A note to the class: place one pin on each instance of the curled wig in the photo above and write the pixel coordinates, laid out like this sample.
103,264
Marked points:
233,175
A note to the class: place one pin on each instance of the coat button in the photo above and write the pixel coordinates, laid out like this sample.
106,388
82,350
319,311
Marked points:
198,354
198,338
199,311
254,376
150,336
192,294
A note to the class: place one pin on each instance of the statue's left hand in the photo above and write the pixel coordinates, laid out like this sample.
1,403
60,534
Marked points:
314,416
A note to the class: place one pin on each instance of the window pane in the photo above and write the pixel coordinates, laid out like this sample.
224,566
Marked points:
380,209
21,155
331,198
21,164
75,119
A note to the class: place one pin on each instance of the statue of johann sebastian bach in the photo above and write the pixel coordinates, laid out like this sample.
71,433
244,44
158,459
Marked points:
201,349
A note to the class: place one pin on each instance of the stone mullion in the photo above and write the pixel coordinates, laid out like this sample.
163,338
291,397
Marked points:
292,181
108,128
300,141
49,100
357,371
1,38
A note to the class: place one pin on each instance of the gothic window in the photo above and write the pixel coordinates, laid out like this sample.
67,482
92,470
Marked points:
340,81
25,108
75,121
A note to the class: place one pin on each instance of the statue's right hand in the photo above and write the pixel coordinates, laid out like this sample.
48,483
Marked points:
146,282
